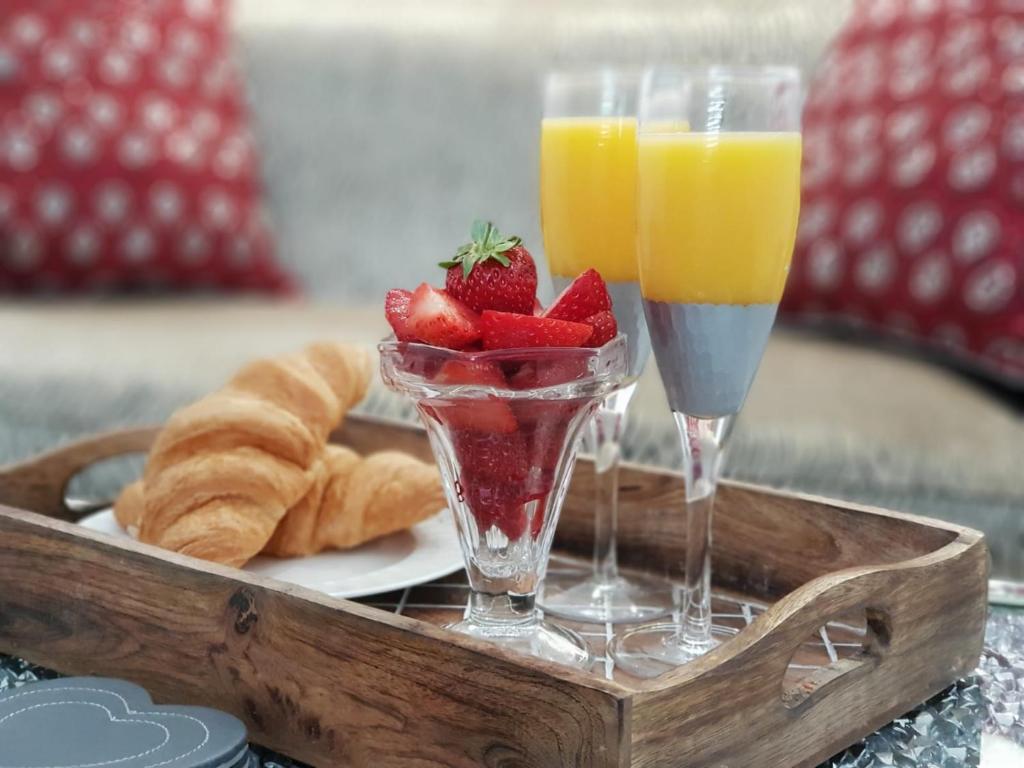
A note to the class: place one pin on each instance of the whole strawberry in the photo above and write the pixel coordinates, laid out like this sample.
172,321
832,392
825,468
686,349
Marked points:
492,271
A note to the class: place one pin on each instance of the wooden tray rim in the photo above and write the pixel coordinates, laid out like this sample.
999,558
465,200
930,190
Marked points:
75,456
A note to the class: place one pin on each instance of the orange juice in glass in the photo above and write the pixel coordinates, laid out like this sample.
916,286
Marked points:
717,216
588,214
717,206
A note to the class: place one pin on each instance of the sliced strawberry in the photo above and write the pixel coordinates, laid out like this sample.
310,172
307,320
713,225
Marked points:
605,328
506,330
548,373
471,372
483,414
506,504
495,503
423,366
544,425
441,320
396,309
525,377
500,475
491,455
585,296
493,471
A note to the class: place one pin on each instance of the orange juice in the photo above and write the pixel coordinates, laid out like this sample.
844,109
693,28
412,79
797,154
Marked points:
717,215
588,196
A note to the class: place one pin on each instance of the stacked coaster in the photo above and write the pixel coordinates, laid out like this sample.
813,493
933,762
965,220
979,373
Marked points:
92,721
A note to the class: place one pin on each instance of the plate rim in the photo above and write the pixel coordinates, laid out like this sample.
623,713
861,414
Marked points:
107,513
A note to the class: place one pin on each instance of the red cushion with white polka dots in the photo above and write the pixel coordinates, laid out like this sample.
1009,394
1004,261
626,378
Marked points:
125,159
913,186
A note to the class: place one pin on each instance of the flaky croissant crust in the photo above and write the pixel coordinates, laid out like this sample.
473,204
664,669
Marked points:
225,470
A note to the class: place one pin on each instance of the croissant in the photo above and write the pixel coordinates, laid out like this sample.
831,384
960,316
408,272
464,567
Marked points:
129,507
356,499
352,500
224,471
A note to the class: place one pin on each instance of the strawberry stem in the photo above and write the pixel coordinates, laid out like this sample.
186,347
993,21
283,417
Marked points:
486,243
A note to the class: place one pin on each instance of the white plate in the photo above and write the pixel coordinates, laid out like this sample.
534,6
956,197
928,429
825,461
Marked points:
427,551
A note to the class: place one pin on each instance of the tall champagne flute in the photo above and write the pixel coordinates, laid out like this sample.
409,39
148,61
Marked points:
718,194
588,213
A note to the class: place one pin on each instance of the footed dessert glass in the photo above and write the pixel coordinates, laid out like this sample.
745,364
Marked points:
503,426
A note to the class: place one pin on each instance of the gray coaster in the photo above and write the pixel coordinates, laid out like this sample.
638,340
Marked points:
92,722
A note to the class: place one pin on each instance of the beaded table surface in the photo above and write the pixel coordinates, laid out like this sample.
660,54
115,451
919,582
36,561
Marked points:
977,722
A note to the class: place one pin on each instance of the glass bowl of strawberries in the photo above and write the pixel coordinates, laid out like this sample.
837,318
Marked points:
503,394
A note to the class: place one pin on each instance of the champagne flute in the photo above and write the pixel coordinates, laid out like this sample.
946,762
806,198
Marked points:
588,213
718,194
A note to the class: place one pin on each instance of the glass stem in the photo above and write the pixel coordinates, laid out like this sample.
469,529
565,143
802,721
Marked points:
703,443
502,609
603,439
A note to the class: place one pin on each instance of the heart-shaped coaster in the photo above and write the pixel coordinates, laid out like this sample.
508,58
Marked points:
93,722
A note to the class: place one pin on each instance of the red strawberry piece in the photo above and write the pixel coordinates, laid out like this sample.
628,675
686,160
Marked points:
396,309
493,471
544,425
490,454
492,271
479,372
495,503
424,366
548,373
513,522
483,414
505,330
525,377
605,328
584,297
441,320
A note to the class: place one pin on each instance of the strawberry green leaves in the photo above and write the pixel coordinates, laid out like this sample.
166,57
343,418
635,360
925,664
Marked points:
486,244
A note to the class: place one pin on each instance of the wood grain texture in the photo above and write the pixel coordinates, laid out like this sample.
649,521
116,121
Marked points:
40,483
756,531
335,683
327,681
931,614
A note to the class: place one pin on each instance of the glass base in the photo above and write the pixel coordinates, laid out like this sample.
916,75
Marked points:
654,650
535,638
577,596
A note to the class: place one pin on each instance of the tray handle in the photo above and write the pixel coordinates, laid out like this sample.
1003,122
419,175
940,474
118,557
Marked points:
821,682
39,484
787,625
890,596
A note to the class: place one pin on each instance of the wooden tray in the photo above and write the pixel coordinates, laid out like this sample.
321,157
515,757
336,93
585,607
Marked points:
847,617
